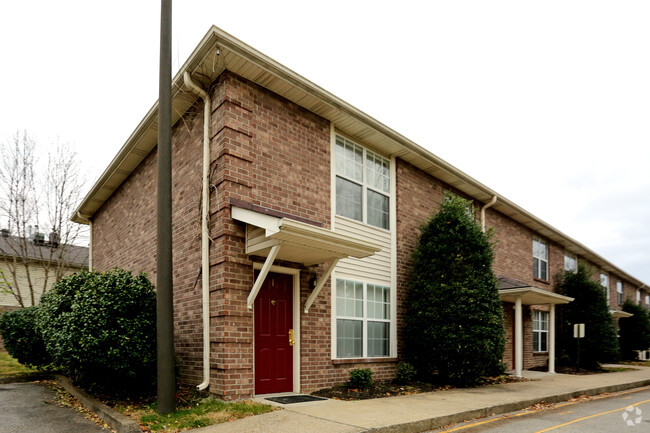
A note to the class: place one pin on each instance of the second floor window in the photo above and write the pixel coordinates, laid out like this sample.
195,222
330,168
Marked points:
540,259
362,184
570,262
604,281
619,292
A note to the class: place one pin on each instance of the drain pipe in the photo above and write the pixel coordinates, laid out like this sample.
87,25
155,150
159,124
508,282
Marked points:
205,234
488,205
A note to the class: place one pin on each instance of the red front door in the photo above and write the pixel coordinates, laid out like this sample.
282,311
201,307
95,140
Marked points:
273,322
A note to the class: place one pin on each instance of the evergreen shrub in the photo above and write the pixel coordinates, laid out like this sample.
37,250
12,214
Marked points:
454,323
22,340
590,307
100,328
634,332
360,378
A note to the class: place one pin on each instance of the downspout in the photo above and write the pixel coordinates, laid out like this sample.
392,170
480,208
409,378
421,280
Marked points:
205,234
488,205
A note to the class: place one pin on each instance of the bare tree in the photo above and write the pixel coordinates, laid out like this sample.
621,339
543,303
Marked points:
35,198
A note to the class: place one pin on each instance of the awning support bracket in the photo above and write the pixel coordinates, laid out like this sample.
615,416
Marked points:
320,284
262,275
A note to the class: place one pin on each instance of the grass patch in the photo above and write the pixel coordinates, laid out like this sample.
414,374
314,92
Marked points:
10,367
193,411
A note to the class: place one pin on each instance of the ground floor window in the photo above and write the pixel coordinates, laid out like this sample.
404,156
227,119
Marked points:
362,319
540,331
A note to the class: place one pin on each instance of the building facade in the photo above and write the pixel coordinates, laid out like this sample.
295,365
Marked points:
314,212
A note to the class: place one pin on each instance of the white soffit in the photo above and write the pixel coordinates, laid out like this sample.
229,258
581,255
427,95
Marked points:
618,314
301,242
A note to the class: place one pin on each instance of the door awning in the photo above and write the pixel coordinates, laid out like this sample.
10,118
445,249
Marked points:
619,314
510,289
298,242
301,242
533,296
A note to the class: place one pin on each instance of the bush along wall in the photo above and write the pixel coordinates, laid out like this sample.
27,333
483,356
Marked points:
589,307
100,329
454,325
22,340
634,332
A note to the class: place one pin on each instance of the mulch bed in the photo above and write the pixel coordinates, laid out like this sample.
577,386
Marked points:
391,389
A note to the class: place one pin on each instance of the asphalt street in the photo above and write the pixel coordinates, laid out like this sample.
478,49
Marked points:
627,411
32,408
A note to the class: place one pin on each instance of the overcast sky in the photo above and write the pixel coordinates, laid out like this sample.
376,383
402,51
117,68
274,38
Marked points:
548,103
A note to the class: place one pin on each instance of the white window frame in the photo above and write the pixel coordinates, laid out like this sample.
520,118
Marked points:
570,262
619,292
364,182
604,281
540,317
364,319
537,274
638,297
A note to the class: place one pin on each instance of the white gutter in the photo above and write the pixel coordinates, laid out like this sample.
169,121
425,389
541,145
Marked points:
488,205
205,234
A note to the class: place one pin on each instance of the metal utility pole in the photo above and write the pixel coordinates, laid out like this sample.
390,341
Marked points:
164,276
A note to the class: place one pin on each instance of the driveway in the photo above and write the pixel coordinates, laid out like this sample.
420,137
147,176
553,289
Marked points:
32,407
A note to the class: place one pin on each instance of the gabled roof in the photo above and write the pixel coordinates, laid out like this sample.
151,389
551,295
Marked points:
73,255
207,62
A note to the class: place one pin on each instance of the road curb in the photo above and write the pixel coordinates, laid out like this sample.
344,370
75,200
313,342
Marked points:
441,421
25,377
117,421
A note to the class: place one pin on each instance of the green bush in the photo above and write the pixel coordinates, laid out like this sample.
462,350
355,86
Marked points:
634,332
360,378
589,307
100,328
405,373
22,339
454,321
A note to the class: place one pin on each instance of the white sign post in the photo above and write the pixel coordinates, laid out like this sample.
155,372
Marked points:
578,333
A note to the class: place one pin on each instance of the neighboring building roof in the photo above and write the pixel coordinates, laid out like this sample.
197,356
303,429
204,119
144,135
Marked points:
206,63
74,255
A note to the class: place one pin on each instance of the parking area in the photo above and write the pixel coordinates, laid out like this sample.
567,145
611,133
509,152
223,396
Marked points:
33,407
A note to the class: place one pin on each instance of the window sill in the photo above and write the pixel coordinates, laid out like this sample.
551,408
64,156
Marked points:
542,281
540,353
362,360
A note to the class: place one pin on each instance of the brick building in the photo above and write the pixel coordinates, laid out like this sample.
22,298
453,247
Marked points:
314,209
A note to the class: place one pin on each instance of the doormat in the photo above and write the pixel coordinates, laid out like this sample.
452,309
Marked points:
289,399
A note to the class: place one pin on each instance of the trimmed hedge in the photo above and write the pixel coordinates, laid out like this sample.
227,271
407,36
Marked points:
22,339
634,331
100,329
454,324
589,307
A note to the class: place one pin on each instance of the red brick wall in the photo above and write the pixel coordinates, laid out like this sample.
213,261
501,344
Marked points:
124,234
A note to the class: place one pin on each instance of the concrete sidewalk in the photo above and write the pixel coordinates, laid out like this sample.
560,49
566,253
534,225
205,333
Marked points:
423,412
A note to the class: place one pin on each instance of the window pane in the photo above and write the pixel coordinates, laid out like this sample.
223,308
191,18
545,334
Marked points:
348,199
377,209
536,341
377,172
378,302
542,271
349,299
543,347
348,338
378,339
349,159
535,268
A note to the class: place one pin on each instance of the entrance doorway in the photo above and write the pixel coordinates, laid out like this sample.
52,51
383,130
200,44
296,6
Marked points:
274,335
